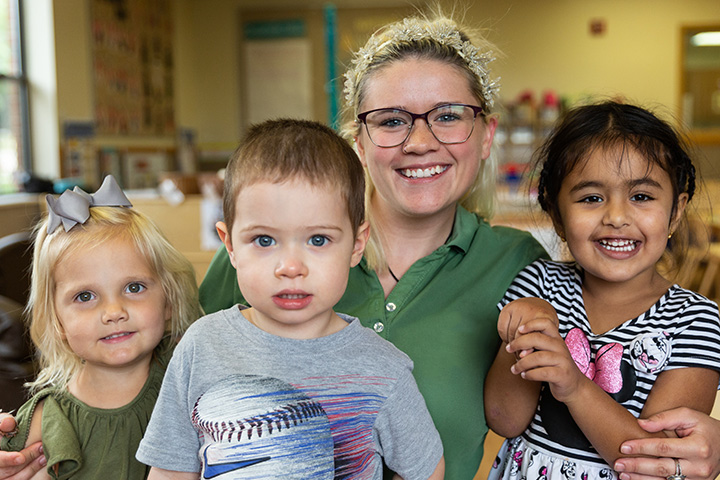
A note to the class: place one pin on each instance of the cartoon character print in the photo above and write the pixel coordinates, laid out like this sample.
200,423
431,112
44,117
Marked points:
568,470
605,367
605,370
606,473
542,473
531,461
517,459
650,352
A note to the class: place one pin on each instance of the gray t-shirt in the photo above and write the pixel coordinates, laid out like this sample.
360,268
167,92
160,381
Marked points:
240,403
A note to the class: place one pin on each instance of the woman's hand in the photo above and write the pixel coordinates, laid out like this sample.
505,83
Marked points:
697,448
20,465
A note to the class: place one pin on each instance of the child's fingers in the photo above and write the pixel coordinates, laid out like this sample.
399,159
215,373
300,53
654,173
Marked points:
543,325
508,323
536,341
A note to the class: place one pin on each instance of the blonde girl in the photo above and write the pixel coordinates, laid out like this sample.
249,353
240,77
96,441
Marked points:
109,298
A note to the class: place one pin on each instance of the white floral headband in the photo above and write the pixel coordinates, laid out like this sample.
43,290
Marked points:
413,29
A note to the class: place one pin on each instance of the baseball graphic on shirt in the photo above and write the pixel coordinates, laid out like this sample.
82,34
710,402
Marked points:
255,427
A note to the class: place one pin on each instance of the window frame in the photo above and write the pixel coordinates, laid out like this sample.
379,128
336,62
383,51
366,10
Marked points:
20,80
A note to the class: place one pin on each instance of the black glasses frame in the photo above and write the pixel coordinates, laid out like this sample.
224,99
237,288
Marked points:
414,116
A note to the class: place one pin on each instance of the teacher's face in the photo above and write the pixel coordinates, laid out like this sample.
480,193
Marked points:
422,176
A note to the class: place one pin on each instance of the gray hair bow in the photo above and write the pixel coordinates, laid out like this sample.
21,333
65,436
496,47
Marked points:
73,206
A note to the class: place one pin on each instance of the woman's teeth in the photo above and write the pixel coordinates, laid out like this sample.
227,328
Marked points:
619,245
423,172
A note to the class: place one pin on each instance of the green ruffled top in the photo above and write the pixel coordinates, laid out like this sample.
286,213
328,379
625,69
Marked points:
83,442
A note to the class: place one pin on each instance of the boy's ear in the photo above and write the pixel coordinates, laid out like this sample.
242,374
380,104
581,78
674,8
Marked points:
361,239
224,235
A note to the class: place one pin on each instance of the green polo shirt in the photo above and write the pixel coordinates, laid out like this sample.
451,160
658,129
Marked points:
442,313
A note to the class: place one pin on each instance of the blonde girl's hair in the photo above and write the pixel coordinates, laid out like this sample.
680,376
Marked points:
57,362
438,38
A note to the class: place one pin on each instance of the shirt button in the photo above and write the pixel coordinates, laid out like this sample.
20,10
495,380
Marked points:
390,307
378,327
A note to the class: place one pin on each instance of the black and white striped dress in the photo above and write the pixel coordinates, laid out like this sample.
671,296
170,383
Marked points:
682,329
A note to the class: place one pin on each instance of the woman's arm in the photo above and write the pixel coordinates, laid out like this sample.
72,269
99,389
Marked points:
606,423
697,447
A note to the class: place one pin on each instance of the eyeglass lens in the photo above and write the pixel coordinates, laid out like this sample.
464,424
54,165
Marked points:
448,123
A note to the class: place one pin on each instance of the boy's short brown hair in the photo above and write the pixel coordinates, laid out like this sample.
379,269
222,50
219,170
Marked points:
283,149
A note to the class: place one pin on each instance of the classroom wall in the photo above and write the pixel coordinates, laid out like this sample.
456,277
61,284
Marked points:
546,44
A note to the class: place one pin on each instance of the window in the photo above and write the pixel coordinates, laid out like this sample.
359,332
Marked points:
14,139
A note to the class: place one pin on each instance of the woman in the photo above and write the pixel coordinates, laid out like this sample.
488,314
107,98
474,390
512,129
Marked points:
420,101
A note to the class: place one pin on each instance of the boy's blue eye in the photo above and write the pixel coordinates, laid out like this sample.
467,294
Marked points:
264,241
318,240
84,297
135,287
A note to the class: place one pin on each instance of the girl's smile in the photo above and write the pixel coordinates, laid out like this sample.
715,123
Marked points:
616,214
110,304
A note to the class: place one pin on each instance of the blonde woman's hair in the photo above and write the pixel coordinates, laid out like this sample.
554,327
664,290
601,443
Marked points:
58,363
437,38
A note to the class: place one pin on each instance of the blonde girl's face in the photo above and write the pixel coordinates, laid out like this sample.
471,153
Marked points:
111,306
616,214
422,176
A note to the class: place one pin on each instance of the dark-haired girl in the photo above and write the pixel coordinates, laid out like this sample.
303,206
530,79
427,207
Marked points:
589,346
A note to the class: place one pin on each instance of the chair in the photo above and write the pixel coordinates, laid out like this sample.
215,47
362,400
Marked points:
15,263
710,281
16,365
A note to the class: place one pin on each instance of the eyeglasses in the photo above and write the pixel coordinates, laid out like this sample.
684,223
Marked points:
390,127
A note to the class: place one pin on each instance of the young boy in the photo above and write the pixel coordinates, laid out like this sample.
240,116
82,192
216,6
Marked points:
288,388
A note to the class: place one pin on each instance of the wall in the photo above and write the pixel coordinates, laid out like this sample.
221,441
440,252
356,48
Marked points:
547,45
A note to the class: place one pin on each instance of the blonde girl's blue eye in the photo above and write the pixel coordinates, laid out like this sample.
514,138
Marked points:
264,241
135,287
318,240
83,297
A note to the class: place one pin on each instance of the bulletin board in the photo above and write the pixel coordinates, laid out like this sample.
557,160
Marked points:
133,67
279,76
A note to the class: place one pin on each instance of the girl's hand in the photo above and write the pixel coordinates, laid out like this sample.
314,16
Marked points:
21,465
698,448
549,359
520,312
